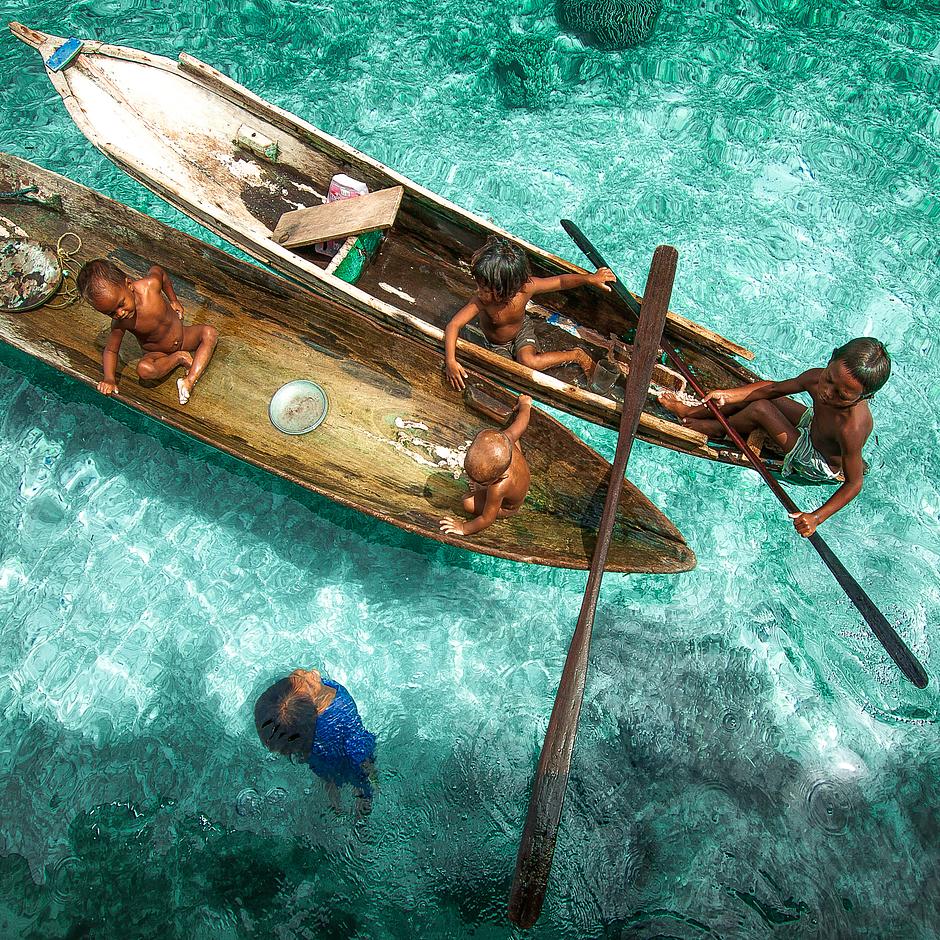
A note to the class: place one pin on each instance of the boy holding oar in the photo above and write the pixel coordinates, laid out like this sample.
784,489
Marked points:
504,287
822,443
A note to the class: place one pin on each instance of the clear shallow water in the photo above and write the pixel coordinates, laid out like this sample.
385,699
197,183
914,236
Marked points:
749,763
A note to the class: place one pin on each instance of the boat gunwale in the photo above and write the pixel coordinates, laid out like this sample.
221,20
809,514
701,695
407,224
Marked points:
261,245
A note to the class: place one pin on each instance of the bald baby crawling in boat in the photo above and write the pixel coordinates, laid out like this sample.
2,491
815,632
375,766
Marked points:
150,309
498,474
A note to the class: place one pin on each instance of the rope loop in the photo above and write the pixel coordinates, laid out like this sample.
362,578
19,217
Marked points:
68,293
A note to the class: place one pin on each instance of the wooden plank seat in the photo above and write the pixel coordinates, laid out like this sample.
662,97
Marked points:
756,440
342,219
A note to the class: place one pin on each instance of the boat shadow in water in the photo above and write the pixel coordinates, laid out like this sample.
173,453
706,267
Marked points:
351,524
147,803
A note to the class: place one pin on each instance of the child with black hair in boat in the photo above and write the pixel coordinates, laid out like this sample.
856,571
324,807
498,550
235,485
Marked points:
821,443
498,474
316,719
504,287
150,309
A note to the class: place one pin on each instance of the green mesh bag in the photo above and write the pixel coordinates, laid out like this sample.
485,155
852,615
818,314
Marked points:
610,24
362,252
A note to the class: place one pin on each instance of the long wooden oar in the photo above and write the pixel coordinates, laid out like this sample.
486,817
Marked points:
896,648
534,861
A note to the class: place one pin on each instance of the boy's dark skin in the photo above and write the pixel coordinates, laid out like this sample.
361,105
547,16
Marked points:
501,496
841,424
140,307
501,320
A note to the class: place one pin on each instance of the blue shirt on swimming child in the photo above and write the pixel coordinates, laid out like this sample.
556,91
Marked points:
341,743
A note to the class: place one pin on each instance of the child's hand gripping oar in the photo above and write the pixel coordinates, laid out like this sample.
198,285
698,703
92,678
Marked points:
534,861
896,648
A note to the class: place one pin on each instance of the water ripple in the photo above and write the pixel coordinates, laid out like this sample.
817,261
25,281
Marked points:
740,724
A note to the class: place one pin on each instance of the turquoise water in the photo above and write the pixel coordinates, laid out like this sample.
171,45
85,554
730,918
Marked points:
749,762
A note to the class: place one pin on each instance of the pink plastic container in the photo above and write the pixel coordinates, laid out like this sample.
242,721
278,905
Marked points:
341,187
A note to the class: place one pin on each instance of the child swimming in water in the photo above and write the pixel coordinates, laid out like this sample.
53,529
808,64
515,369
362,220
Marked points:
498,474
822,443
148,308
317,720
504,287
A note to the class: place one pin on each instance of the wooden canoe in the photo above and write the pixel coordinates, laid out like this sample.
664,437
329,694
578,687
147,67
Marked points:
272,332
176,127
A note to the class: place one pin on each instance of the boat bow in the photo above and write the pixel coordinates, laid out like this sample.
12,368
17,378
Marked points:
44,43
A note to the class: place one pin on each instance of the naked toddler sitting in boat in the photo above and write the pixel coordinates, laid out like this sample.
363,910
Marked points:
150,309
498,475
820,444
504,287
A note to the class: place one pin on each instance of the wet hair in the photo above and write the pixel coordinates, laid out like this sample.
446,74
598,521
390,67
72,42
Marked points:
95,276
501,267
867,361
488,457
286,718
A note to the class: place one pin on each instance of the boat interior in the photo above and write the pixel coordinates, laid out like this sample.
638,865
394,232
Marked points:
421,264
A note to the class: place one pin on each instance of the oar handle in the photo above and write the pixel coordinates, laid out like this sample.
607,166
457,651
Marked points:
896,648
537,846
594,256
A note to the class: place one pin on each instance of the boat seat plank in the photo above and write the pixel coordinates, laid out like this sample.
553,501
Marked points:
756,440
340,219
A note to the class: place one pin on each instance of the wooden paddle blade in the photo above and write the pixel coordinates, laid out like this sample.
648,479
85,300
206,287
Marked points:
537,846
894,646
537,849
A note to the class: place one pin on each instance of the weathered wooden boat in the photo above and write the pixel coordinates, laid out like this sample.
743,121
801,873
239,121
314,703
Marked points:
239,165
384,390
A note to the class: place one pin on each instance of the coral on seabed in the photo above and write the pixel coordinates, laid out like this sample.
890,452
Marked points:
610,24
524,70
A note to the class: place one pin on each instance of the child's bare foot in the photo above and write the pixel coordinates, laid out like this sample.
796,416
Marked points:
185,387
670,402
586,362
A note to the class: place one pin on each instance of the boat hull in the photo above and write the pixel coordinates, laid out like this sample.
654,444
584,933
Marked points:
170,125
272,332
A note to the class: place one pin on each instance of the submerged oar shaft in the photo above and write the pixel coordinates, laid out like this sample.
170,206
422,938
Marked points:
537,847
896,648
